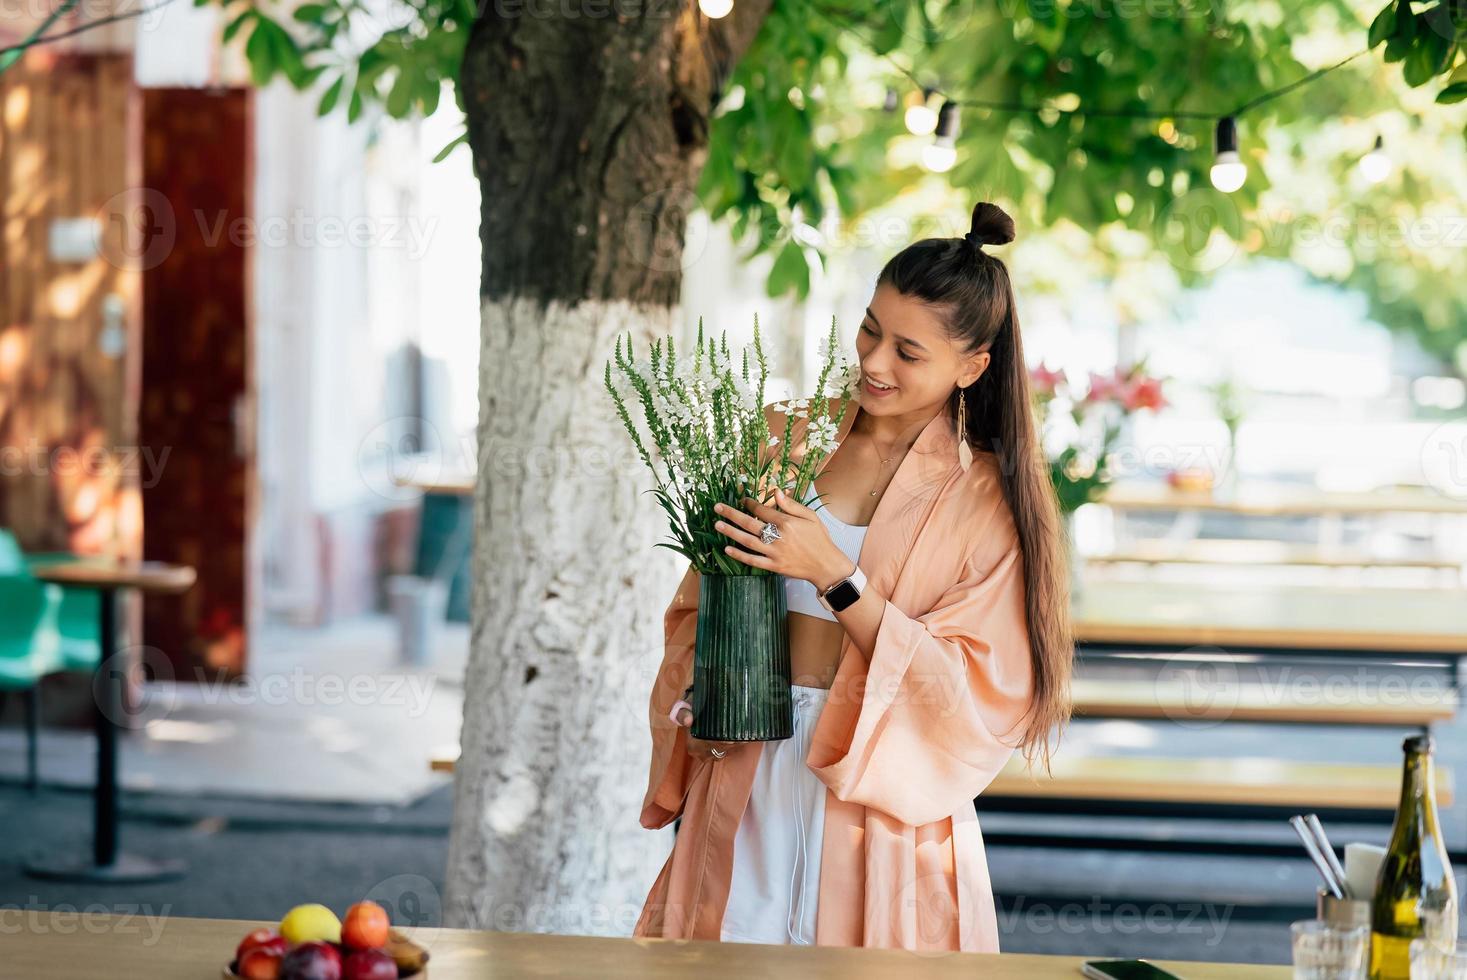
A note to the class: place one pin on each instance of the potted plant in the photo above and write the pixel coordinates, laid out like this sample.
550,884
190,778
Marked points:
1080,432
703,432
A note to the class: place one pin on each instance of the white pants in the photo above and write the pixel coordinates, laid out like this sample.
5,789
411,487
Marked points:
776,856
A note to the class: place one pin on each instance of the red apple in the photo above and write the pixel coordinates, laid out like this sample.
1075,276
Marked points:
260,963
369,964
365,926
311,961
267,938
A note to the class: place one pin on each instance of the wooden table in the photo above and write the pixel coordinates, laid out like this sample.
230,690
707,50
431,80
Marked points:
1280,500
1254,500
108,577
1377,623
67,946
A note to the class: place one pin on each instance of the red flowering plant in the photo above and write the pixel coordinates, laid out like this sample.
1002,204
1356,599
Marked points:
1079,452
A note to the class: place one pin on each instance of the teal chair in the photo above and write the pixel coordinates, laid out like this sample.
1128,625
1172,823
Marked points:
81,645
43,629
30,648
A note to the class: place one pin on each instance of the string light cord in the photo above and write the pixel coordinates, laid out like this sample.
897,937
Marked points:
1228,172
9,55
1006,106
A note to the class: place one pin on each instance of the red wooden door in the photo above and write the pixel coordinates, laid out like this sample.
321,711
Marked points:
196,379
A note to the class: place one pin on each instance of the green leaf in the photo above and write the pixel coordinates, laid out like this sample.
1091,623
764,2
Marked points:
443,153
1406,26
1452,93
233,27
354,107
1426,59
790,270
331,96
310,13
1384,24
429,91
400,96
260,52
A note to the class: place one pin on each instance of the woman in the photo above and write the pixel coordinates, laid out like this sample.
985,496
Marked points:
946,646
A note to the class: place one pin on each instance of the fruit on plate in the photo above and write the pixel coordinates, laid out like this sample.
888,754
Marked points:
365,926
261,938
260,963
409,956
369,964
312,922
312,960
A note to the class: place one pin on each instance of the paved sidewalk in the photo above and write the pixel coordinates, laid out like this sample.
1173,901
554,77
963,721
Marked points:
357,726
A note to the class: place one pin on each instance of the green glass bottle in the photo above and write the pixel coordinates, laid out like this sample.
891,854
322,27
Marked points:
1415,894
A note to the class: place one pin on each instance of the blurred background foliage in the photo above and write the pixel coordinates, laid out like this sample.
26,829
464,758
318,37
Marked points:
806,144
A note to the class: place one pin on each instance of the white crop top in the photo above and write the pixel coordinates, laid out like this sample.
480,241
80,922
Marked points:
799,594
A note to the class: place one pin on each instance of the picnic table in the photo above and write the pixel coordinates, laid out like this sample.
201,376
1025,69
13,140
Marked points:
83,946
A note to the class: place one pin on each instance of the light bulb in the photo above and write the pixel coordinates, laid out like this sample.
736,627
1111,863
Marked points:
939,157
942,153
715,8
1376,166
920,118
1229,172
1228,169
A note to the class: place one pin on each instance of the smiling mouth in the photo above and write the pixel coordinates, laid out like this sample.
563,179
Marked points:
876,384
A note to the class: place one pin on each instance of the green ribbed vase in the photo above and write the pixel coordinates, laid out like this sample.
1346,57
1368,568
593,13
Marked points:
741,660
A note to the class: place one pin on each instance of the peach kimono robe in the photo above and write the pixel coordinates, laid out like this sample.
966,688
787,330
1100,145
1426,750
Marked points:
903,746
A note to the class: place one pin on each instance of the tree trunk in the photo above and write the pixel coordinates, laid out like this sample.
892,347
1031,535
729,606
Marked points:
588,134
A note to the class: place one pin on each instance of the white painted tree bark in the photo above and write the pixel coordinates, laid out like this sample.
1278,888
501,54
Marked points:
566,641
588,135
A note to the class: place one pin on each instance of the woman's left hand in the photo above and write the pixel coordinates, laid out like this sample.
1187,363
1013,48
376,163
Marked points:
803,549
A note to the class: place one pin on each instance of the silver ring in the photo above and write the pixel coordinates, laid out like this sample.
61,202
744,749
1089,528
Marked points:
770,534
717,754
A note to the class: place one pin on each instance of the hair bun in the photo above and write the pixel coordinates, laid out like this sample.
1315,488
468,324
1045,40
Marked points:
991,225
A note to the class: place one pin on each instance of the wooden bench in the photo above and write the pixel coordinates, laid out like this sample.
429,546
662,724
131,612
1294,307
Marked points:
1231,792
1247,782
1180,701
1079,785
1214,551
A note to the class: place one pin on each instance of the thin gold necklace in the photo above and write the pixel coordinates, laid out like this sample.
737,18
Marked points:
878,473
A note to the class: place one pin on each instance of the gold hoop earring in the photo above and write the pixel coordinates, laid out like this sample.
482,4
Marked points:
965,452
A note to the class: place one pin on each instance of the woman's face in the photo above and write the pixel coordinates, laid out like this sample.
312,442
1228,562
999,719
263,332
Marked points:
902,342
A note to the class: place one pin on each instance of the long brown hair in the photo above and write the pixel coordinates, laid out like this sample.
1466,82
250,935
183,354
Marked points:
970,289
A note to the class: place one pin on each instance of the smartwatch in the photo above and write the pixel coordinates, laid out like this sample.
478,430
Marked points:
843,593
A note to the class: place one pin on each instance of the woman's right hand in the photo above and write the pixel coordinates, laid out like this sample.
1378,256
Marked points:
697,747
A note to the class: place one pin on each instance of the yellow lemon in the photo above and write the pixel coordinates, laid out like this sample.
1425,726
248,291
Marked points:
310,923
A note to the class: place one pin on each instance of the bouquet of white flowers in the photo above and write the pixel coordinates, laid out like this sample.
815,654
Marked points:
704,435
710,440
